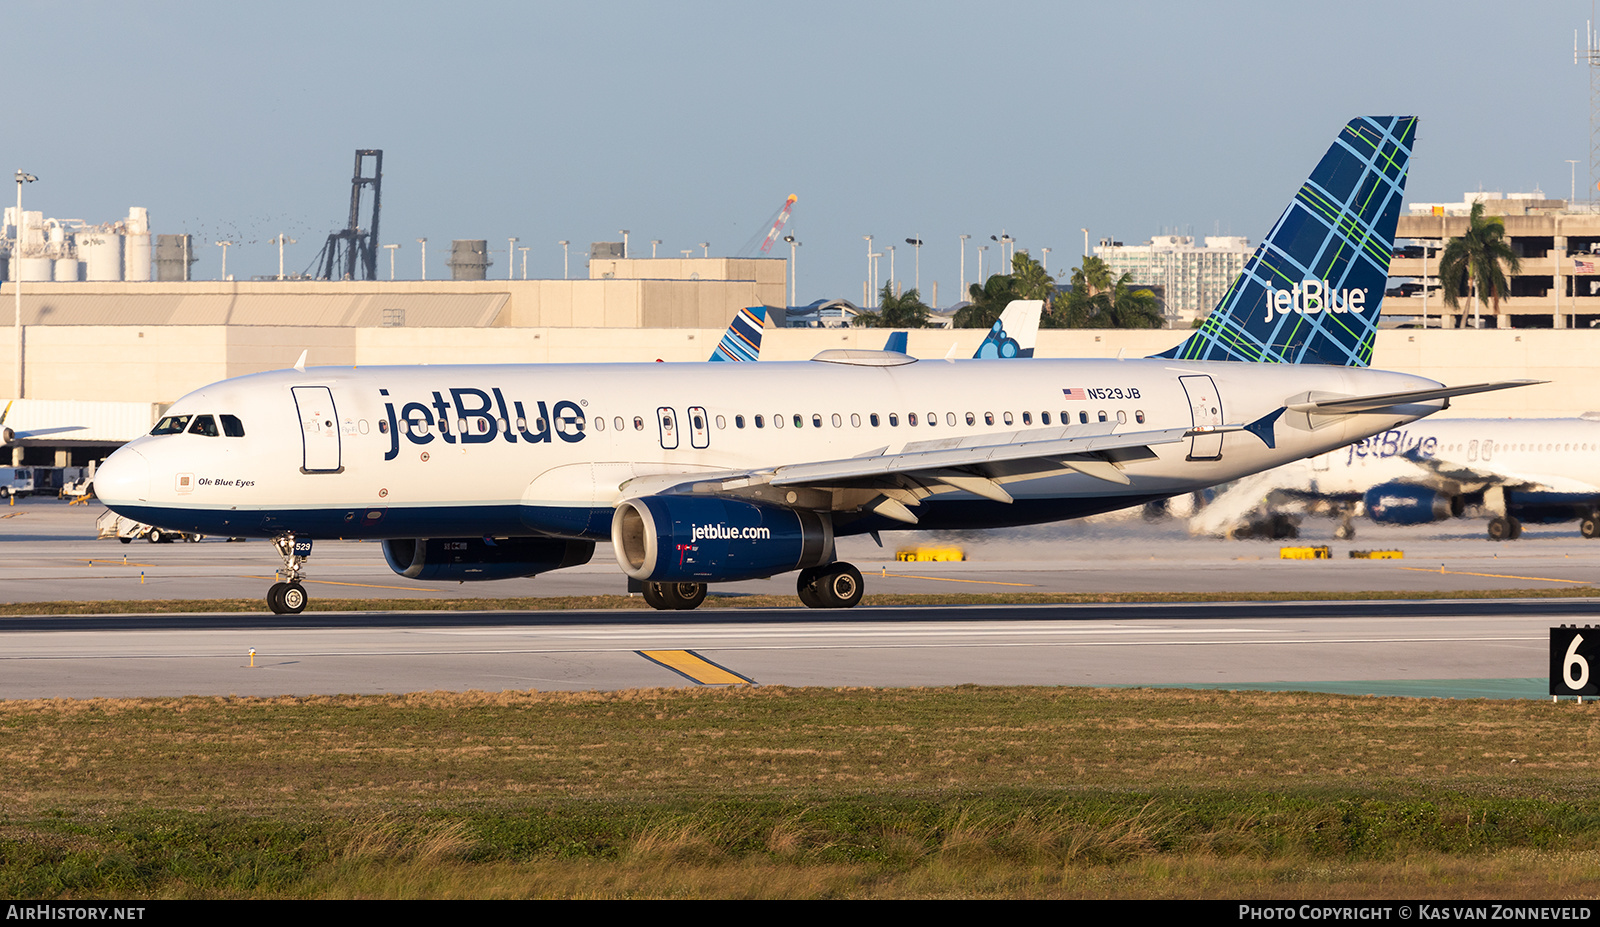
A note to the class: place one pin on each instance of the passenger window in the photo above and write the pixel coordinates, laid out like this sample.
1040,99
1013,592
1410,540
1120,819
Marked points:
1027,418
1008,418
777,421
1083,418
1044,418
816,420
738,421
722,423
204,425
616,423
988,418
933,419
855,420
1138,416
911,418
383,427
950,418
761,422
894,420
1122,417
599,423
233,428
638,423
1102,415
972,419
873,418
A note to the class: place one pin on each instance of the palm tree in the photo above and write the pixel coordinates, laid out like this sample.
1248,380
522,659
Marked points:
904,311
1099,300
1478,255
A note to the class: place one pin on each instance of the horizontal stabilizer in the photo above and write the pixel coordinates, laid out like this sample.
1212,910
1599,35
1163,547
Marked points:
1348,405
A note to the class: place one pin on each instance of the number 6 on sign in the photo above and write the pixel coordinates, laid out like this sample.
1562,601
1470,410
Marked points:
1570,654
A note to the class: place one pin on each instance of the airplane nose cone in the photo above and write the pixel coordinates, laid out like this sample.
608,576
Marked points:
123,478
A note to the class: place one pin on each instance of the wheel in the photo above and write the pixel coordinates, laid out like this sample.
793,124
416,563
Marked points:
1344,532
1516,528
1499,529
835,586
1590,527
652,596
154,536
124,539
841,587
294,599
683,596
806,587
275,598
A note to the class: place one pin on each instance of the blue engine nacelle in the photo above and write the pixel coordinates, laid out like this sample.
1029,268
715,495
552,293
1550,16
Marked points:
1405,504
472,559
714,539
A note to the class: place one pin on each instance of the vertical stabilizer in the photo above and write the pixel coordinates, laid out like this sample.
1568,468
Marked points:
742,341
1312,291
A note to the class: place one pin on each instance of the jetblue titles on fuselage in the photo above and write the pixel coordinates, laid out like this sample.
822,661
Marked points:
1310,297
481,417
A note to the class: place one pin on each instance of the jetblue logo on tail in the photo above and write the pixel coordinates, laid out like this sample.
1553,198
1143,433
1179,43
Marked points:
1310,297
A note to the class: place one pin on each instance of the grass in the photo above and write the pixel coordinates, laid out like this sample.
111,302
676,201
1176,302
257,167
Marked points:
329,603
806,793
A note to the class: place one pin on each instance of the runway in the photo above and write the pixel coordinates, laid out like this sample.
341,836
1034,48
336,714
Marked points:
1448,648
1494,648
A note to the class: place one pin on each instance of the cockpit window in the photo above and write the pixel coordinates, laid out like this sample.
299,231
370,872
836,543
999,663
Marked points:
233,428
204,425
171,425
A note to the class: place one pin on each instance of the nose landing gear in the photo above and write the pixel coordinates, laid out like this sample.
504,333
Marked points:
288,597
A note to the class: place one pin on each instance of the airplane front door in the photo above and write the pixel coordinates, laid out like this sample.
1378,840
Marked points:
1206,406
319,429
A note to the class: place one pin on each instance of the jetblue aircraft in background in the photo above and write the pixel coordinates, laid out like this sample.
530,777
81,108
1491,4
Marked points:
1512,470
707,473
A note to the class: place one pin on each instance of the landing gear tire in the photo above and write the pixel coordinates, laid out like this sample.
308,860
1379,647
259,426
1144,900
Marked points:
1504,529
287,598
125,539
1590,527
674,596
835,586
154,536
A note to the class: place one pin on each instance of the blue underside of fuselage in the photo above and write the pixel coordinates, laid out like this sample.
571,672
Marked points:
515,520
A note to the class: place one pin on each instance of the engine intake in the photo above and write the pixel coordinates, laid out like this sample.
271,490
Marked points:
472,559
711,539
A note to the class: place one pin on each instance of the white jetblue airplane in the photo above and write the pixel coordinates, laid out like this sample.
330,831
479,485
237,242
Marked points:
1513,470
706,473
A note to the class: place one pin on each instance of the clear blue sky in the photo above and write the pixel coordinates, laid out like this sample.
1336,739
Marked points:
691,122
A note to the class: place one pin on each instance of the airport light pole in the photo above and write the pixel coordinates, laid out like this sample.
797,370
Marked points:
981,249
1046,252
391,250
654,242
224,246
792,245
563,243
868,239
424,243
962,294
16,277
891,265
1085,242
916,279
624,243
1574,194
524,262
705,249
511,258
280,240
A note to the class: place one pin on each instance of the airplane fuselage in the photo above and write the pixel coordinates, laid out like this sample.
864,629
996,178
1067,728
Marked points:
475,451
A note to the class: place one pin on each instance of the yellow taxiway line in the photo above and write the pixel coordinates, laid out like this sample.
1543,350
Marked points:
1540,579
695,668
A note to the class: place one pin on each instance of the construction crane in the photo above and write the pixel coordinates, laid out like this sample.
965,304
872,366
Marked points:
778,223
344,249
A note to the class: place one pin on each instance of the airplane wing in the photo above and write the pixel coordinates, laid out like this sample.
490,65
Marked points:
1482,474
887,483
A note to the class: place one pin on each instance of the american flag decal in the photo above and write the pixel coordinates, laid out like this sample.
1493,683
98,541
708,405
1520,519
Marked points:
1583,267
1074,394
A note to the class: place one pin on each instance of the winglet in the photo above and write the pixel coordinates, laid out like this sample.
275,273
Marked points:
897,342
1262,427
300,364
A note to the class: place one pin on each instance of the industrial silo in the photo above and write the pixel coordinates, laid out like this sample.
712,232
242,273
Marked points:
136,250
469,259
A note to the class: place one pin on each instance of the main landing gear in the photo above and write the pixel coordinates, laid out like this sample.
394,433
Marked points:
837,585
1504,529
288,598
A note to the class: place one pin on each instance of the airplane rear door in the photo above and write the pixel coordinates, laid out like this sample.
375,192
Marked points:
319,429
1206,405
